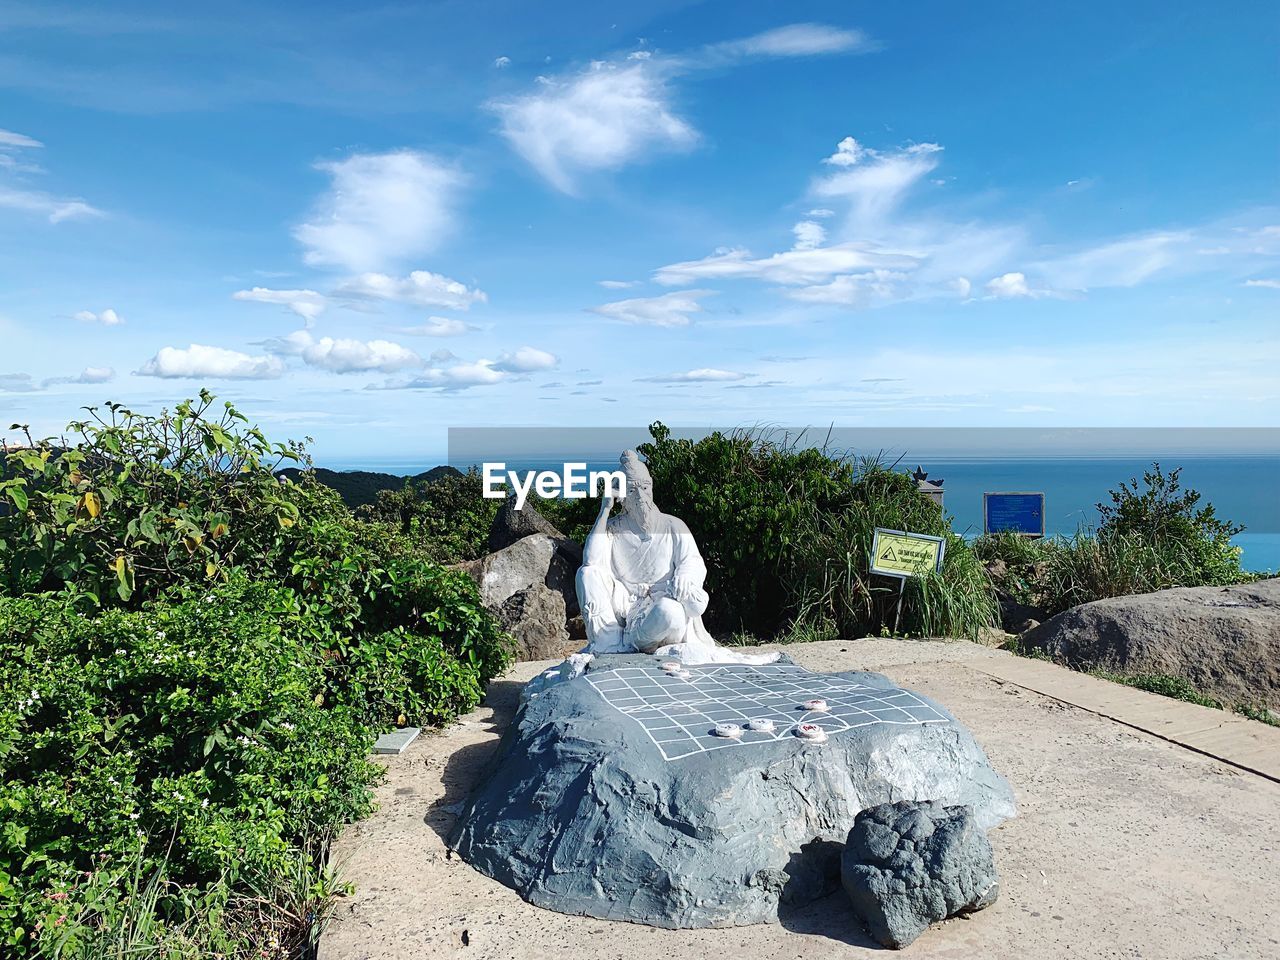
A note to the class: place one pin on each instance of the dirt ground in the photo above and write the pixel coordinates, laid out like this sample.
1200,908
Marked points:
1125,846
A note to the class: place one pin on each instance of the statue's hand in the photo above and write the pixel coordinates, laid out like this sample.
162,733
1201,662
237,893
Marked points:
606,504
685,587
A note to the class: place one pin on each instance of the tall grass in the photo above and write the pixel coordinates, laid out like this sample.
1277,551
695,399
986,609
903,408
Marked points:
1058,573
832,588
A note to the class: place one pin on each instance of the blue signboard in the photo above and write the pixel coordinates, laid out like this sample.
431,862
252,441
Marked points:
1013,512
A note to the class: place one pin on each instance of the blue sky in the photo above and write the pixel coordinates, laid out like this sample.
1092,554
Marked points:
368,225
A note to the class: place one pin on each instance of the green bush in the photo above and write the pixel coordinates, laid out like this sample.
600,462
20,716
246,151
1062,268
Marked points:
448,517
786,530
200,732
1148,539
139,503
1188,536
197,656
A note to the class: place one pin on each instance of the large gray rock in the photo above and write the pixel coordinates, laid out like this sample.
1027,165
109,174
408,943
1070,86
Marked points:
909,864
609,796
528,587
510,525
1225,641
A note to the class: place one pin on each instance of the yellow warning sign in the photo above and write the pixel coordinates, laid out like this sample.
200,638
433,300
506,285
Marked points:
896,553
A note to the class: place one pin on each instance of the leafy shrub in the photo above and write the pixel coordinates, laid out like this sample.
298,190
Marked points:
448,517
1149,539
199,731
197,657
786,530
1169,518
142,502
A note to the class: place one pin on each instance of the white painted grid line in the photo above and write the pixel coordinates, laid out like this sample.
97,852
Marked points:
678,715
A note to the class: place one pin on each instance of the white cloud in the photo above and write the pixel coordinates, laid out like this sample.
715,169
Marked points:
449,373
420,288
9,138
1118,263
381,209
526,360
618,284
667,310
198,361
621,111
848,152
701,375
17,196
54,208
873,183
458,376
809,234
501,62
17,383
855,289
346,355
790,267
438,327
878,256
793,40
87,375
305,303
1269,284
108,317
1008,286
600,119
96,375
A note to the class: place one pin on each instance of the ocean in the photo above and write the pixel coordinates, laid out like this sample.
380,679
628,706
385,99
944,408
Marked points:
1243,489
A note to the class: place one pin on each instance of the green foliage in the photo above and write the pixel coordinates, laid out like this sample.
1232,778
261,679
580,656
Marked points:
1171,520
786,530
1258,712
447,517
201,732
141,502
1149,539
360,488
197,656
1176,688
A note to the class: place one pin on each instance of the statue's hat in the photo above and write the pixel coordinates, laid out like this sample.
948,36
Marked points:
633,468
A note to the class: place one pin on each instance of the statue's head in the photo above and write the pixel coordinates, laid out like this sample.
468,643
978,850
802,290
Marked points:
639,499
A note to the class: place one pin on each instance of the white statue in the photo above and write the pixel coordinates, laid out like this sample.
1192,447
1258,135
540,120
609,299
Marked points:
640,584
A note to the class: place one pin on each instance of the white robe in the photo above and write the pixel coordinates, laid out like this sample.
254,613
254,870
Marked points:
643,568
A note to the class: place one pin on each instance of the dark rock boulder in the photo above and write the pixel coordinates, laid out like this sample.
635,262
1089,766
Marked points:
909,864
1225,641
529,587
510,525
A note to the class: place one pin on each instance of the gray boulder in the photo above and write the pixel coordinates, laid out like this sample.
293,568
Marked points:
611,797
1225,641
909,864
528,586
510,525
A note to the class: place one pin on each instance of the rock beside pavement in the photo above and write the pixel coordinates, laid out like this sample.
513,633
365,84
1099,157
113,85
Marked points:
1224,641
909,864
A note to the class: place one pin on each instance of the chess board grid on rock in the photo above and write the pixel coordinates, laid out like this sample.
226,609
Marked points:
679,715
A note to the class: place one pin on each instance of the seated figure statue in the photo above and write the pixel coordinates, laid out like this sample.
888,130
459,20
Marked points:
641,581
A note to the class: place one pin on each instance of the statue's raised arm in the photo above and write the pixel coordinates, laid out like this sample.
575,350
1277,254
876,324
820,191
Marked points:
641,581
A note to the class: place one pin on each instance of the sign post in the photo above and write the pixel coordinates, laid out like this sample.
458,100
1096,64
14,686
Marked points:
1021,513
899,554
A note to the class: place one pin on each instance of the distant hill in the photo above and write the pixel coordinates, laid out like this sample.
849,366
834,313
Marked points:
359,487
